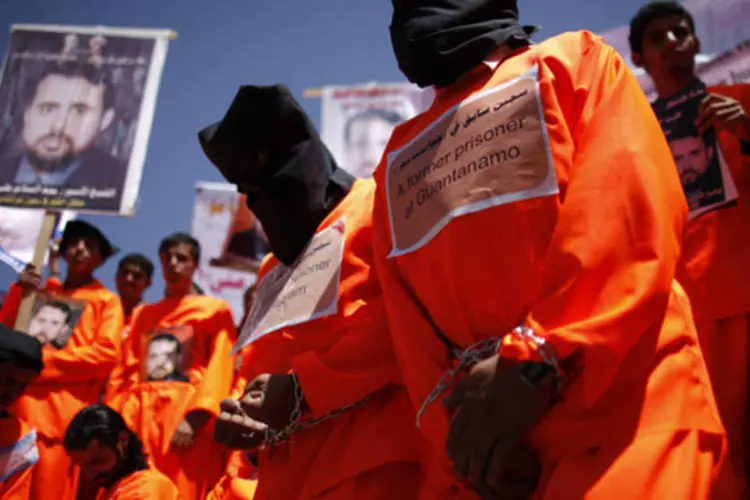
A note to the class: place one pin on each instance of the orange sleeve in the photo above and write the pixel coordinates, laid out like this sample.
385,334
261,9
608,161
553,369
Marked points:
144,485
10,307
94,361
17,486
219,372
610,268
359,364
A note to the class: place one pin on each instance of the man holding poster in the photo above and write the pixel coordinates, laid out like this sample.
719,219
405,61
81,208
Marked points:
709,133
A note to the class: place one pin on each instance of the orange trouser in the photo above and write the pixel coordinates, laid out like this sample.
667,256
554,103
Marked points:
394,481
726,347
54,476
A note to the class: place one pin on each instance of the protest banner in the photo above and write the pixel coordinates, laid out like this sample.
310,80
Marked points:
232,244
19,229
357,120
77,106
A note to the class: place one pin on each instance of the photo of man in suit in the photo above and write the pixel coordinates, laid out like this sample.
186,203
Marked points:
66,109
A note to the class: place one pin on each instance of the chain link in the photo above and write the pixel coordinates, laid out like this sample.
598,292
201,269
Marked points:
464,360
298,424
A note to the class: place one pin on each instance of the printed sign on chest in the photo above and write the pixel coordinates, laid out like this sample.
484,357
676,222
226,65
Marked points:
304,292
489,150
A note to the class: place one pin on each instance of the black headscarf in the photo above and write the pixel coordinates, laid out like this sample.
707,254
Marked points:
269,149
438,41
21,349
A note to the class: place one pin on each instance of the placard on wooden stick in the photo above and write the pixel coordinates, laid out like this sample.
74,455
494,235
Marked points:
40,250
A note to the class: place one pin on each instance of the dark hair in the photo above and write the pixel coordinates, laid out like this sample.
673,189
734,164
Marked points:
181,239
167,336
388,115
21,360
95,75
649,13
139,260
59,305
101,423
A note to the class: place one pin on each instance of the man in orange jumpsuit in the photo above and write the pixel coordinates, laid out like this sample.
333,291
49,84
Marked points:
112,457
320,367
715,266
76,367
20,363
526,236
176,370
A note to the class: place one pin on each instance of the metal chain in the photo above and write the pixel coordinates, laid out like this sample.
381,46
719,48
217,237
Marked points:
483,350
297,424
465,359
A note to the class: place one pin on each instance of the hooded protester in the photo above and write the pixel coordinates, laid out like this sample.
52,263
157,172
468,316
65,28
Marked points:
20,363
75,371
714,267
111,457
319,386
526,236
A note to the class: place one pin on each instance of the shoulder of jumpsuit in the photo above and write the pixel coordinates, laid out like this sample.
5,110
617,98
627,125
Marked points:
741,92
204,305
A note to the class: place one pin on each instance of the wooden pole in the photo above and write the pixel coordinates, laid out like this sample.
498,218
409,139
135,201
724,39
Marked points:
312,93
42,245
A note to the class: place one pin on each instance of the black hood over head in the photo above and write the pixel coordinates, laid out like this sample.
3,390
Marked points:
267,146
438,41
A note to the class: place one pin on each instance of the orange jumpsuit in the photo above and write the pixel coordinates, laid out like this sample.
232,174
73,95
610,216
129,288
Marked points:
576,233
18,456
340,356
148,484
72,379
153,409
714,271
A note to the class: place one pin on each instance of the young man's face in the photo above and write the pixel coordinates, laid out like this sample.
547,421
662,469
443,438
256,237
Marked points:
83,254
100,462
13,381
131,282
669,47
64,119
178,264
48,324
692,158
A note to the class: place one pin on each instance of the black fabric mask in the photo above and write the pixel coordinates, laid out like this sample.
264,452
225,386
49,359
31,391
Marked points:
438,41
269,149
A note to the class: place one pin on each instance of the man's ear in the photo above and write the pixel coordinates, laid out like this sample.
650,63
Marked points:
122,442
636,59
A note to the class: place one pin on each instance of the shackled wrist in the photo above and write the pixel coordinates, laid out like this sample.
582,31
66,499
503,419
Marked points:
546,371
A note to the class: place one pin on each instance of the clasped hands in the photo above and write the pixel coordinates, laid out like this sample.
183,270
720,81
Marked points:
493,409
268,403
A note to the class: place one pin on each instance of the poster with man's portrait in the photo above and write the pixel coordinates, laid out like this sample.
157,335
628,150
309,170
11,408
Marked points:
706,180
168,354
53,318
76,107
357,121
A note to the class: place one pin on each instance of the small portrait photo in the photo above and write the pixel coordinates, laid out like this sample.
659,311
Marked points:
697,161
54,318
366,134
167,355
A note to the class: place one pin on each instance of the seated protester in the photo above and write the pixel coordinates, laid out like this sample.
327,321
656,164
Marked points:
20,364
79,357
176,369
111,457
133,278
319,371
